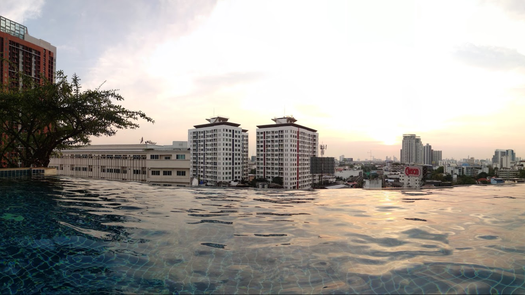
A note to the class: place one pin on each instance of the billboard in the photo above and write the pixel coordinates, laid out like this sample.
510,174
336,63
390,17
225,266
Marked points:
413,171
322,165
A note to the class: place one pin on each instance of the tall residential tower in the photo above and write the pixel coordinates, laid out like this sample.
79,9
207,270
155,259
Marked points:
219,151
412,149
284,150
413,152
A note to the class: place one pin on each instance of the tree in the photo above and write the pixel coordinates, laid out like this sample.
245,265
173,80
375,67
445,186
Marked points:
278,180
464,179
41,117
482,175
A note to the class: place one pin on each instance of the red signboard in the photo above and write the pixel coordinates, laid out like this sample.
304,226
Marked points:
412,171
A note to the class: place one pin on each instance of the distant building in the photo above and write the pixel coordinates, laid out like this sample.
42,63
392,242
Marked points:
411,177
503,158
437,156
160,164
219,151
344,174
413,152
284,150
508,173
427,154
376,183
411,149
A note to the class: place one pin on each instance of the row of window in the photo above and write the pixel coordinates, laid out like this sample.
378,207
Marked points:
166,157
167,173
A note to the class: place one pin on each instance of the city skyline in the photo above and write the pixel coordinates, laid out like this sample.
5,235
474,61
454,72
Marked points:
362,73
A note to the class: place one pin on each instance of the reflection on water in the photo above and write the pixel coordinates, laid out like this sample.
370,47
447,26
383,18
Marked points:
73,235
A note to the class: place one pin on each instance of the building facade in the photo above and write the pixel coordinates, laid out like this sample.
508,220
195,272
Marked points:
284,150
411,149
24,54
157,164
414,152
412,177
503,158
427,154
437,156
219,152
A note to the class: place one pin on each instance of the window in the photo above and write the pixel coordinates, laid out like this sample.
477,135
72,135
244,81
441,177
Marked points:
154,157
166,173
181,173
181,157
155,172
167,157
136,171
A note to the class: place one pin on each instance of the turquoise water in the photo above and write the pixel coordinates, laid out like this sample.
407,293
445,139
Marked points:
67,235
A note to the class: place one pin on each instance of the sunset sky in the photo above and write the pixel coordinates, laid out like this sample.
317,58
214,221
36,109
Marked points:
361,72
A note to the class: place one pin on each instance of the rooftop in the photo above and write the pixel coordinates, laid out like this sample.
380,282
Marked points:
12,28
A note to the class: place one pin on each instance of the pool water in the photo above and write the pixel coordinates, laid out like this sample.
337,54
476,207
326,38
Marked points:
66,235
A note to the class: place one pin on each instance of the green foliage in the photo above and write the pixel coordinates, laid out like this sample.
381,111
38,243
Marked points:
492,171
369,167
278,180
463,179
38,118
253,171
521,174
482,175
438,174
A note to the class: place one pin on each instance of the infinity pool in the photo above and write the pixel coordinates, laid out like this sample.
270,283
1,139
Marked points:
67,235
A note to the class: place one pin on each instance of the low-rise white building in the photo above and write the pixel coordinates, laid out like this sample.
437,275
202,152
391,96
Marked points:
344,174
160,164
411,177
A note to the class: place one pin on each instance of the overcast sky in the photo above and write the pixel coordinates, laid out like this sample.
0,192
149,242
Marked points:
361,72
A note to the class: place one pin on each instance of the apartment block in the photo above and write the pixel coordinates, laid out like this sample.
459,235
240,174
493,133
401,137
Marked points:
284,150
24,53
157,164
218,151
412,149
504,158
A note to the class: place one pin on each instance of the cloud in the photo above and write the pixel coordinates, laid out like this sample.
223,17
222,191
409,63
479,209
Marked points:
514,8
491,57
21,10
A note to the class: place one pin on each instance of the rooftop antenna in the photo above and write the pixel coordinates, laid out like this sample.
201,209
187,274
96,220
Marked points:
323,147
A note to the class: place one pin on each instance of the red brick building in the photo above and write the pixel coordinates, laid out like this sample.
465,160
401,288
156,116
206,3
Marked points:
25,53
22,53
